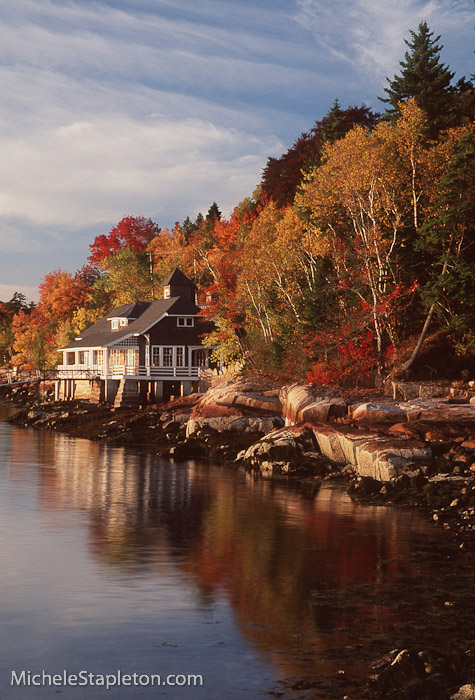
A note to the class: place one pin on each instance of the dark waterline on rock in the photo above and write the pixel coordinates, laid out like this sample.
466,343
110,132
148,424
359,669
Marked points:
113,559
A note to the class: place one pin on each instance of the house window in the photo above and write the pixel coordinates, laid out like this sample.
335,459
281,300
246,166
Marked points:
82,357
168,357
166,292
97,358
123,322
186,322
156,356
117,358
115,324
70,358
199,358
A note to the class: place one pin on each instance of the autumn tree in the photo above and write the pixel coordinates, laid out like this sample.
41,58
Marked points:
131,233
33,340
167,251
124,261
282,176
61,293
356,202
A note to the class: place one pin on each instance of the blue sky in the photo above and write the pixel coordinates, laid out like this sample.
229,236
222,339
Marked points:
160,107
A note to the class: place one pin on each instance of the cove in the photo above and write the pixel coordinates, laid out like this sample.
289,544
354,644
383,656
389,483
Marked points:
115,560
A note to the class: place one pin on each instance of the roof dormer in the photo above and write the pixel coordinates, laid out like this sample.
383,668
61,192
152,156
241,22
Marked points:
118,323
178,285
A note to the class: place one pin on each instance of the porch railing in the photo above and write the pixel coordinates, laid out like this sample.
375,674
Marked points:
153,372
119,371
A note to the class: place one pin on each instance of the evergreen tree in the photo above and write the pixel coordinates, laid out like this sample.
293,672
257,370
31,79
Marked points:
463,107
424,78
213,213
188,227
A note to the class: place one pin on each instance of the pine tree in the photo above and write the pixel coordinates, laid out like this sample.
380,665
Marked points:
213,213
424,78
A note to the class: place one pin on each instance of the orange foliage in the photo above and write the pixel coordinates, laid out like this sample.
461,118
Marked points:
61,294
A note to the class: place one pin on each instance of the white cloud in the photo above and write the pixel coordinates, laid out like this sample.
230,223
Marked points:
87,135
87,171
158,107
370,34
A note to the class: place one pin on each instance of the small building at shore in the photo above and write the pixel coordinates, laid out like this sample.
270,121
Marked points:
148,350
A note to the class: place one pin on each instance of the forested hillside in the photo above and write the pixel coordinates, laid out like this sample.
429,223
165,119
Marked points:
353,257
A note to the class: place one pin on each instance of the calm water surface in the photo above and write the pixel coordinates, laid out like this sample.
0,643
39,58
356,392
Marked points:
112,559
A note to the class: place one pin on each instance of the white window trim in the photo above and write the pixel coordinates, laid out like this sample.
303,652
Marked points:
185,321
160,349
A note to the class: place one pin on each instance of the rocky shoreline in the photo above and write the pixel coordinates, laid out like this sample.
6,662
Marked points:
418,453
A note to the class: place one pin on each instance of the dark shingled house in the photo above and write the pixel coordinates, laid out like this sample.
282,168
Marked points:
150,349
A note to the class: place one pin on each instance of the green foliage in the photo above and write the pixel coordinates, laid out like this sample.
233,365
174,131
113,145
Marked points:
449,236
225,342
424,78
126,277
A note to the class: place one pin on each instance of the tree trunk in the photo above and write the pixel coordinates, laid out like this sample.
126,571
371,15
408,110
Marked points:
406,366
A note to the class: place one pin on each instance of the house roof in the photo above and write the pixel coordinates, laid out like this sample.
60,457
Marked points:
130,311
100,334
177,278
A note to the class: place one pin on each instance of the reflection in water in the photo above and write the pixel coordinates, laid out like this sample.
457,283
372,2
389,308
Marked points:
293,581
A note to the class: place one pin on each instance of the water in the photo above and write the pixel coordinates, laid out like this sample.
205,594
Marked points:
116,560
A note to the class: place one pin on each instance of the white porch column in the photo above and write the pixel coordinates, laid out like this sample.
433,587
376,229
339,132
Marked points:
65,357
186,388
105,366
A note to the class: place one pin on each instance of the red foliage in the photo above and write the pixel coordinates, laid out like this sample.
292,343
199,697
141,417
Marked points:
353,357
132,232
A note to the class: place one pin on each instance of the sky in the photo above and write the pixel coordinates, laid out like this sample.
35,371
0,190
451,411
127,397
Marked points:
158,108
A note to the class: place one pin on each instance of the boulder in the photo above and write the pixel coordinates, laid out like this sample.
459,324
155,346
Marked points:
294,398
399,668
321,411
285,451
329,443
377,457
267,404
248,424
378,413
409,673
238,398
466,692
213,410
316,412
279,446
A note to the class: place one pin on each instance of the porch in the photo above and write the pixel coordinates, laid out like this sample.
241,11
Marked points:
137,372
